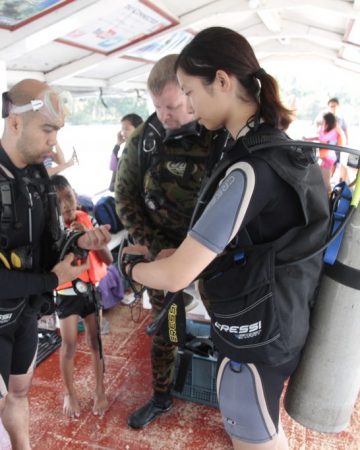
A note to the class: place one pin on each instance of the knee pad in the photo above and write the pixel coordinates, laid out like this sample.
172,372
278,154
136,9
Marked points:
242,403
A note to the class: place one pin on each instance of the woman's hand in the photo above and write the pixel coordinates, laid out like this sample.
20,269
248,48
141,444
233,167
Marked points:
139,252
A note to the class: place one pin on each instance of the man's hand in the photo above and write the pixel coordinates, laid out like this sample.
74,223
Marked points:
95,239
137,249
68,270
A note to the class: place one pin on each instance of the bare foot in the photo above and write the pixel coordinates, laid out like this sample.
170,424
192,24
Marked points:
71,406
101,404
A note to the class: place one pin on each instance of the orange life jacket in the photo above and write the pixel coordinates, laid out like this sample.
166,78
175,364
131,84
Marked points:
97,268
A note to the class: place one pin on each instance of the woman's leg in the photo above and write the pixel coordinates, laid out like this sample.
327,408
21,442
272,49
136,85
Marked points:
279,442
68,329
92,333
326,174
249,401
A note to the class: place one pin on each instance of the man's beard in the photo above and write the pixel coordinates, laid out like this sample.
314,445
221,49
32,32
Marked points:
26,156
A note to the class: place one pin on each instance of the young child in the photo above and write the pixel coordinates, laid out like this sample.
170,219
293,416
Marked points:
70,305
329,133
128,125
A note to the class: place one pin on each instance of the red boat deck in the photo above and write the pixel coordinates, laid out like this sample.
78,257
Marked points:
188,426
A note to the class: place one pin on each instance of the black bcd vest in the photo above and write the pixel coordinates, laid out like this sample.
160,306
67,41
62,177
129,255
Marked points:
260,297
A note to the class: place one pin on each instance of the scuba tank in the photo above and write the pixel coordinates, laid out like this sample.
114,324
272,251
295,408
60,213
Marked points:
322,392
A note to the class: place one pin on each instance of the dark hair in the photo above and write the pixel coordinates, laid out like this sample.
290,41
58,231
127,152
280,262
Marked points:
219,48
330,121
59,182
334,100
133,118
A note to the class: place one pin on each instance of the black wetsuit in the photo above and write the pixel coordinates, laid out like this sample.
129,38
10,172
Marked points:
21,289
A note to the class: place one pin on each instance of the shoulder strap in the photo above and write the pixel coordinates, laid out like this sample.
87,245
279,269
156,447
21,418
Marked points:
302,154
151,141
6,203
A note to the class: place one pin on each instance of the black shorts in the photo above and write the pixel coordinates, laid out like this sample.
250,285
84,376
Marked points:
18,339
68,305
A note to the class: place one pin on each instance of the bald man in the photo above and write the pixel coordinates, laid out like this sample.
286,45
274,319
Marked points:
31,240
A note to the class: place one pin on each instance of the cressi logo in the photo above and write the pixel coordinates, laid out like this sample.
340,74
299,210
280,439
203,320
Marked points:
241,331
172,323
5,318
225,185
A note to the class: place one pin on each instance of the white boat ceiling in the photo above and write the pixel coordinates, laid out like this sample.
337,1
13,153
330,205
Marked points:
87,45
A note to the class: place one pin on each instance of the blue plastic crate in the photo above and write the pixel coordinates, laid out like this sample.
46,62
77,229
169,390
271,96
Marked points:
198,328
200,382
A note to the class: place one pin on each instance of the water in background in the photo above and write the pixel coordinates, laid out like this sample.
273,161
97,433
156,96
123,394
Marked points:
94,144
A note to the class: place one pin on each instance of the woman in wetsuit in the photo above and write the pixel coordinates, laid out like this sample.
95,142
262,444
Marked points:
260,217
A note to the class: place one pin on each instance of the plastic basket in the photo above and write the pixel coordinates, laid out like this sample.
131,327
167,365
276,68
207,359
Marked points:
198,328
200,382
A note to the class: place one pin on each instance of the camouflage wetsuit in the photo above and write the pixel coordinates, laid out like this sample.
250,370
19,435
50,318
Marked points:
170,186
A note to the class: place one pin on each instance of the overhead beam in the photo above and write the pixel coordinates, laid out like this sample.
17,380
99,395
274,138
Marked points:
57,76
295,47
14,76
271,19
130,74
294,30
347,65
339,7
84,82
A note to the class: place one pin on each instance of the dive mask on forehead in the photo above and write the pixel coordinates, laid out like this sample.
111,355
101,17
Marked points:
53,104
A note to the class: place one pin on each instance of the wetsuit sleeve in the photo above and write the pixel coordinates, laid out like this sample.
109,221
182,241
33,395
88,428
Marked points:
17,284
128,199
224,215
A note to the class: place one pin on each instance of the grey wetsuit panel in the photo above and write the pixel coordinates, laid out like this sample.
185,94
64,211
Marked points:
242,404
223,216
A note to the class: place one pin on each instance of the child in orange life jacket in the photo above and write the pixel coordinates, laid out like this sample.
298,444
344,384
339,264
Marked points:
71,304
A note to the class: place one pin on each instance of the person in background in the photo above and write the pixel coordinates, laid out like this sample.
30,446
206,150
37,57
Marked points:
333,106
329,133
33,114
259,289
57,157
84,303
160,174
128,124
